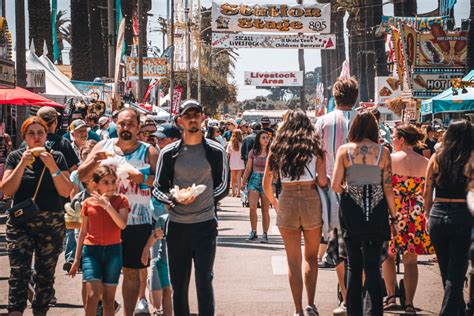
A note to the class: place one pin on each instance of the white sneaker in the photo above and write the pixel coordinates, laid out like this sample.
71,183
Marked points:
340,311
311,310
142,307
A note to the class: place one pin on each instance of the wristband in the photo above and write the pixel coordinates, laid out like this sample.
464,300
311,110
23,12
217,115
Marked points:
57,173
145,178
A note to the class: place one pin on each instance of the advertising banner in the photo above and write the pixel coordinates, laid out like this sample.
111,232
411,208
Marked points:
153,68
283,18
232,40
442,49
274,79
386,88
429,82
176,101
398,51
410,39
418,23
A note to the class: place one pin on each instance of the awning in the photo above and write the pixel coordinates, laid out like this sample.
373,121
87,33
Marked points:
23,97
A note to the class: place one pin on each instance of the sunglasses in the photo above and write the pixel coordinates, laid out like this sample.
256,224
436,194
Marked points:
148,133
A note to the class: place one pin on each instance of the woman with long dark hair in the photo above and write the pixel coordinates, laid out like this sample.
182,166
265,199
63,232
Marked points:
449,218
363,176
297,159
253,177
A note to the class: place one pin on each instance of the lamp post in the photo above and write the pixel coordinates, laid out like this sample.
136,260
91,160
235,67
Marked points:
140,50
188,52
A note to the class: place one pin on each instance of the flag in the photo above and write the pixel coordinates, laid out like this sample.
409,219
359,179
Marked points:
176,100
54,11
346,70
118,19
151,85
167,53
118,49
410,38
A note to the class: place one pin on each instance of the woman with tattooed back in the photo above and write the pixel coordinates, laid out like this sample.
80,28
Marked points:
363,177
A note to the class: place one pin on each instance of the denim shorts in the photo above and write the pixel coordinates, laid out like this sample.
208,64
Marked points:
102,263
255,182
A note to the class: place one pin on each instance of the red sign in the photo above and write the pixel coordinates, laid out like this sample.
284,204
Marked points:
176,101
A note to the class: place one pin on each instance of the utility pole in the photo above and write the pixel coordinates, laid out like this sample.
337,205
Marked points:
111,36
302,68
171,29
4,14
140,50
199,51
188,50
20,43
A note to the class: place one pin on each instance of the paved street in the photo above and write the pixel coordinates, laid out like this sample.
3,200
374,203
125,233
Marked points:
250,278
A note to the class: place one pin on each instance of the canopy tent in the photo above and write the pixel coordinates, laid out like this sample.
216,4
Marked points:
20,96
53,69
161,115
448,102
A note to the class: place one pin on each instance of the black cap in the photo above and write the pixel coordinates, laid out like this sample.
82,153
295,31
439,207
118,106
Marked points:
167,130
265,120
189,104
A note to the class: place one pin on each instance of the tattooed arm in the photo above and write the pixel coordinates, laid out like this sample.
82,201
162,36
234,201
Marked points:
339,170
429,184
387,182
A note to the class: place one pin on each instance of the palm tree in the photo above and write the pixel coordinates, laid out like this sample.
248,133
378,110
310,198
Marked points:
62,22
80,45
98,49
164,30
39,16
65,31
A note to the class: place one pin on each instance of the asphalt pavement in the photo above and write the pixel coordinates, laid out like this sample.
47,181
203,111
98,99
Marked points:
250,277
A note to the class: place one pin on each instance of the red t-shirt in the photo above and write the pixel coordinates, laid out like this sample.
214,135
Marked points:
102,230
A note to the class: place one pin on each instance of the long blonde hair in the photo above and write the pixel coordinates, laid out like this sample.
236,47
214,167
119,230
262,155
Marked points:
236,139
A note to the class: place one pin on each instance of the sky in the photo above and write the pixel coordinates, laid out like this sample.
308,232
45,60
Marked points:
251,59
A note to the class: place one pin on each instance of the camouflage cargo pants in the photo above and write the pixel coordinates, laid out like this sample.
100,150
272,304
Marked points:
43,236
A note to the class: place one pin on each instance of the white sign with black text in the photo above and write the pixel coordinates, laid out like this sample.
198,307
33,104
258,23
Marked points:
274,79
232,40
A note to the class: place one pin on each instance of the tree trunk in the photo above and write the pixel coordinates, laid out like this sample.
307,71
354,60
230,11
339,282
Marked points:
405,8
39,15
96,41
80,47
470,39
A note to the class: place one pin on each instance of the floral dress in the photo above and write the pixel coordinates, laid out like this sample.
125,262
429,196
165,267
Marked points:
413,236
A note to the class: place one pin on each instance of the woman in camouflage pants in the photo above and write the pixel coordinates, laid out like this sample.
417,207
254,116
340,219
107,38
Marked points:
43,235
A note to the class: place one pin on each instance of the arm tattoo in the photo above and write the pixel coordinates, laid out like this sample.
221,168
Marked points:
388,172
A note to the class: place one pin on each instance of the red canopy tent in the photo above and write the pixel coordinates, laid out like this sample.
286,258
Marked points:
20,96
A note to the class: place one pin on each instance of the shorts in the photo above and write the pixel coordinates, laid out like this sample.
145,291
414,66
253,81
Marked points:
255,182
160,274
102,263
299,208
134,239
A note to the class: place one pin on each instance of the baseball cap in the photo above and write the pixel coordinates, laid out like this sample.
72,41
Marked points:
47,113
232,121
167,131
76,124
265,120
103,120
189,104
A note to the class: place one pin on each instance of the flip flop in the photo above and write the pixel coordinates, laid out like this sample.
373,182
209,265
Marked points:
389,303
410,309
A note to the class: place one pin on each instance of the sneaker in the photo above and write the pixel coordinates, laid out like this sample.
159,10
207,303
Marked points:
117,307
325,265
264,239
67,266
142,307
311,310
252,236
340,311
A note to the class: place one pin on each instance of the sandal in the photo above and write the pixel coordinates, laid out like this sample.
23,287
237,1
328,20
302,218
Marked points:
389,303
410,309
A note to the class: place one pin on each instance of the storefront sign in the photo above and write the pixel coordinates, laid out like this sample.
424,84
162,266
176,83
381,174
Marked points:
36,80
283,18
427,85
442,49
232,40
386,88
7,74
153,68
418,23
274,79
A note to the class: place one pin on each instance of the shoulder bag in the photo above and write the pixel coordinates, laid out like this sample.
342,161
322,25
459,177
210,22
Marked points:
24,211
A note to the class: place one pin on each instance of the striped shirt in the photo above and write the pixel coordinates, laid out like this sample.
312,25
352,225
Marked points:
334,130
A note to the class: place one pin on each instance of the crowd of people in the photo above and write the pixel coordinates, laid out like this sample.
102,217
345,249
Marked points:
359,192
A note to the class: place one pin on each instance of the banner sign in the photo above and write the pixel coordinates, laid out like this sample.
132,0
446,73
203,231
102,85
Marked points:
441,49
36,80
274,79
418,23
232,40
7,74
153,68
386,88
427,85
176,101
283,18
398,52
410,39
